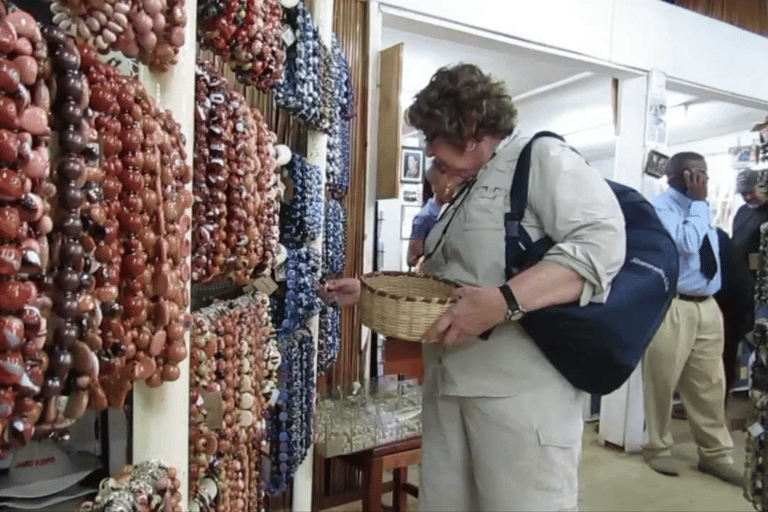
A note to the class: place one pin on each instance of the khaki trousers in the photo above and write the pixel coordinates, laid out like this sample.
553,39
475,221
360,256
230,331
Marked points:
501,453
687,354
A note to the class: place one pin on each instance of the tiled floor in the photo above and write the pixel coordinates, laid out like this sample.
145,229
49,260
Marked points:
612,480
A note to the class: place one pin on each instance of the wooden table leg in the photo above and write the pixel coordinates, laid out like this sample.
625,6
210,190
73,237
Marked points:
399,496
373,477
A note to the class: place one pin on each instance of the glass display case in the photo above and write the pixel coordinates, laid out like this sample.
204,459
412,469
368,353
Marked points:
385,411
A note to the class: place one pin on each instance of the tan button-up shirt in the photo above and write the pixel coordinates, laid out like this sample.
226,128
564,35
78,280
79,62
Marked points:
569,201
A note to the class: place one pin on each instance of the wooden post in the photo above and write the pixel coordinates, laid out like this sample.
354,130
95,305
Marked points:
317,151
161,415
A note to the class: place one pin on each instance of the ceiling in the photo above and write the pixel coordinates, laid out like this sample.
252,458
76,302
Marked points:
553,92
425,54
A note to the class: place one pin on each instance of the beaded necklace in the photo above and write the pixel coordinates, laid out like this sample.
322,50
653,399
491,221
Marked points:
145,222
299,90
290,429
335,240
78,151
233,183
342,107
230,356
152,32
136,487
302,219
302,270
247,34
345,95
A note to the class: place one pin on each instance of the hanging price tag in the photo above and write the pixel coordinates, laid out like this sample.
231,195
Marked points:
213,405
288,36
266,468
265,285
288,191
274,397
756,430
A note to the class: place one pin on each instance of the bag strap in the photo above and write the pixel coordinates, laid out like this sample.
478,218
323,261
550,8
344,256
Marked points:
516,239
520,251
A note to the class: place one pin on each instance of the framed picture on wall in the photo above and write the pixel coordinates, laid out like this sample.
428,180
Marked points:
743,156
411,193
408,212
656,164
413,165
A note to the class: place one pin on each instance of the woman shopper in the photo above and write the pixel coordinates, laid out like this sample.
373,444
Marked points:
501,427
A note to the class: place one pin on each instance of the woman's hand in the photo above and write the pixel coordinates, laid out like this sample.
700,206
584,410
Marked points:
344,291
476,310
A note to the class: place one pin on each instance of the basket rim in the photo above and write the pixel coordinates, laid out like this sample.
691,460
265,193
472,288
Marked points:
392,273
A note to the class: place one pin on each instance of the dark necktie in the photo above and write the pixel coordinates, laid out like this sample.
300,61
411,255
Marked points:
707,259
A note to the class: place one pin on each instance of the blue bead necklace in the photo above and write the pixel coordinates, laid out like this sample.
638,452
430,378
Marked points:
335,241
299,89
301,220
329,338
302,272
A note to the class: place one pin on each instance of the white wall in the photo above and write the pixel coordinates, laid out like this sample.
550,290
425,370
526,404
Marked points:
605,166
580,106
689,46
639,34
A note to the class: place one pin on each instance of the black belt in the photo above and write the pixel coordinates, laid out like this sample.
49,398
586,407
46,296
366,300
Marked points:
693,298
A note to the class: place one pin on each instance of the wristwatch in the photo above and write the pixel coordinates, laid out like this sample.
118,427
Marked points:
514,310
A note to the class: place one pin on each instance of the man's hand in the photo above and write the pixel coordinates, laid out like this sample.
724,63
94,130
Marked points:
344,292
696,182
476,310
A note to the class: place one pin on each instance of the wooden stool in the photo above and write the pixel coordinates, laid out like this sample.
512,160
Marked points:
397,456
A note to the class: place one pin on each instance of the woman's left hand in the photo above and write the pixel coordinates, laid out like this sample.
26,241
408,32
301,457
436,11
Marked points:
476,310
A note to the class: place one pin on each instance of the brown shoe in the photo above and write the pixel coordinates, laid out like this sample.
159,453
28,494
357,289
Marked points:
666,465
678,412
728,472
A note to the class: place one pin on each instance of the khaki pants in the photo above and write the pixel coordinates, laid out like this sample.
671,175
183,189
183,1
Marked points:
510,453
687,354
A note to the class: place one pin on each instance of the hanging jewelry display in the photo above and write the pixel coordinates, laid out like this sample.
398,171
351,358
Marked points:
301,302
761,283
345,91
302,218
29,391
334,257
142,284
76,311
290,430
343,108
299,90
149,486
756,445
231,366
234,170
151,31
335,240
268,193
248,34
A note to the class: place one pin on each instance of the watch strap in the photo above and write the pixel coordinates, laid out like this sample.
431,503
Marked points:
514,310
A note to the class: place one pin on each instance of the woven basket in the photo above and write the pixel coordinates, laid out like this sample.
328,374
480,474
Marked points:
403,305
